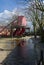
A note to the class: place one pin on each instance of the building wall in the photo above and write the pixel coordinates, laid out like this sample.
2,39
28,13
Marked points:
24,21
21,21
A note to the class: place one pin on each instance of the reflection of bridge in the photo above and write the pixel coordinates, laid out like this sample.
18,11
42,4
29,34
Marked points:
16,27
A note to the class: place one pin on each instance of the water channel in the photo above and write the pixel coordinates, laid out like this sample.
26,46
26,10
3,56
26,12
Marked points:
19,52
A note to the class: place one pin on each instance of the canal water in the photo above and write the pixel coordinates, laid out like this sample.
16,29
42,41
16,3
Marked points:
19,52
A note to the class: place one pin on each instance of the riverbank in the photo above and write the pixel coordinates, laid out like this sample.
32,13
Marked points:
8,44
16,38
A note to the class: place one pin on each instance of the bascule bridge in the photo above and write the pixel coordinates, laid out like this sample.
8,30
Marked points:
16,27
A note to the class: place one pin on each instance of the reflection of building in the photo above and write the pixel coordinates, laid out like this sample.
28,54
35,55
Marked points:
18,27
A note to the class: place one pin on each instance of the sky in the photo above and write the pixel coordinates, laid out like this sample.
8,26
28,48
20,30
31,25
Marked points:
10,7
7,9
9,4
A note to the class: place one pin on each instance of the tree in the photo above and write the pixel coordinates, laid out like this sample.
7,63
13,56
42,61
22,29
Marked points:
39,6
36,11
14,18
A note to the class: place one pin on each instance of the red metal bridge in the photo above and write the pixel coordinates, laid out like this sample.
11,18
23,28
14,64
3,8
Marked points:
15,28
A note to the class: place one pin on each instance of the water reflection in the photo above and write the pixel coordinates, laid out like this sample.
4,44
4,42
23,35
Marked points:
22,52
30,44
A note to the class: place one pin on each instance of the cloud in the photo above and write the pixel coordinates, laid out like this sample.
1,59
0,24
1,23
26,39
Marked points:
43,1
6,16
